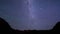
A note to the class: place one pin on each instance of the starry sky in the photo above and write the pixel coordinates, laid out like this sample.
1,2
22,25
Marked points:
30,14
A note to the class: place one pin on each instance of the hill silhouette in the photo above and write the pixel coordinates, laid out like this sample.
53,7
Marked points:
5,28
56,28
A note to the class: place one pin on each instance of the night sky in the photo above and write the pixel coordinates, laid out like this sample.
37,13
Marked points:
30,14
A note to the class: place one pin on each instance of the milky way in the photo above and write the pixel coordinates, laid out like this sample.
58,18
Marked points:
30,14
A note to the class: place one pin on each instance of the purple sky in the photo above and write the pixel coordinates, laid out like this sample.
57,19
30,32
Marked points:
30,14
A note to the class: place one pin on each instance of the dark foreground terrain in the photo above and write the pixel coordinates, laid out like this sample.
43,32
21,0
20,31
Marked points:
6,29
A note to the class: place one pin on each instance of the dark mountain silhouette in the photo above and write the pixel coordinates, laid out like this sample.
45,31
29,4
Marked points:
56,28
4,26
6,29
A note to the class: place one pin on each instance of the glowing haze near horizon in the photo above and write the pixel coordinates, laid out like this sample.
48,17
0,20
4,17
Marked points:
30,14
